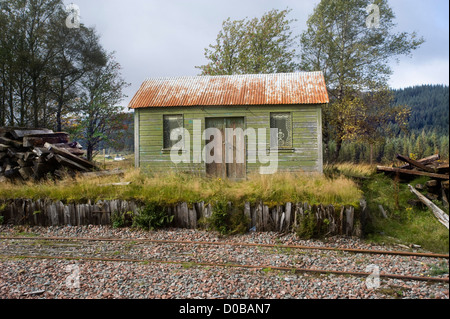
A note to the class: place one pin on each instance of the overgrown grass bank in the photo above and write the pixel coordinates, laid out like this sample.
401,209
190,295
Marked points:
406,223
178,187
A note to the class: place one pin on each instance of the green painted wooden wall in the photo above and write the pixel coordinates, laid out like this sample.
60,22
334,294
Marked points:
306,154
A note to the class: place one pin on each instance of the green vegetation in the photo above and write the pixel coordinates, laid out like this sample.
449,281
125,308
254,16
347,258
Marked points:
406,224
427,129
121,219
151,217
175,187
440,268
227,221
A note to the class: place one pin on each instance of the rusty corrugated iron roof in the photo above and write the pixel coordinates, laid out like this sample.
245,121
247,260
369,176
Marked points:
229,90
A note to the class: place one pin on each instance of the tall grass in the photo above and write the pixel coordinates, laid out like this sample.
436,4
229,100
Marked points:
173,187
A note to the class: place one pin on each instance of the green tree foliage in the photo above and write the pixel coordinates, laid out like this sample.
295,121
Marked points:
427,132
54,76
354,57
101,91
44,64
253,46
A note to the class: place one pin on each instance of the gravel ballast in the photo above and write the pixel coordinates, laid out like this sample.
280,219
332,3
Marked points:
24,278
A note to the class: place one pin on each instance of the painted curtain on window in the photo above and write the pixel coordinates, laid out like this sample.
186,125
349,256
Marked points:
282,122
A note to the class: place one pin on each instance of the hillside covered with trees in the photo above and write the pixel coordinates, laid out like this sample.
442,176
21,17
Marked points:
428,129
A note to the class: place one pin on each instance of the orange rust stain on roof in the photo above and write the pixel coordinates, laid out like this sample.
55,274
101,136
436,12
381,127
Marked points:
228,90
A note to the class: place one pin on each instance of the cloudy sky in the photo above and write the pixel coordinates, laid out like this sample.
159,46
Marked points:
155,38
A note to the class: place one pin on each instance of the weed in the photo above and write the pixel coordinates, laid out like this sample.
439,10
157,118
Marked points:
407,224
152,217
227,220
121,219
439,269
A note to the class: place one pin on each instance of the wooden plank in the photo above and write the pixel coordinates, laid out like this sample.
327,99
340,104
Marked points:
437,212
4,148
7,141
40,139
26,173
415,163
20,133
64,153
39,151
411,172
67,162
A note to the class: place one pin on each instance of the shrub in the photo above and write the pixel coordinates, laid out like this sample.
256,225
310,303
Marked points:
307,226
152,217
120,219
227,220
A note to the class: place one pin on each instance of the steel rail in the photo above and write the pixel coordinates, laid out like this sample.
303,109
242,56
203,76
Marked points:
207,264
207,243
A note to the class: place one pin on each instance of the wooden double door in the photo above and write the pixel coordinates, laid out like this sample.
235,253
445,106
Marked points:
226,156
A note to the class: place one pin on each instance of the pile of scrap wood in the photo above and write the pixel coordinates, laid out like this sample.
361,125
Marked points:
33,154
429,166
435,189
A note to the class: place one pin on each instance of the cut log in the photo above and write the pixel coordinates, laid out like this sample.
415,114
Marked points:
20,133
437,212
415,163
74,150
4,148
432,183
425,161
7,141
40,139
67,162
64,153
411,172
39,151
26,173
445,184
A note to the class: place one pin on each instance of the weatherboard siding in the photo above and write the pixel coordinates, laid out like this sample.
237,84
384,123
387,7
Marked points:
305,155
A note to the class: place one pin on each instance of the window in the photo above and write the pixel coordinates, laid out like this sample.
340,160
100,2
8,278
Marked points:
282,122
172,122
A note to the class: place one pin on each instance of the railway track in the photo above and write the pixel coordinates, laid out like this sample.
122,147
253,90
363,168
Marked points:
208,243
292,269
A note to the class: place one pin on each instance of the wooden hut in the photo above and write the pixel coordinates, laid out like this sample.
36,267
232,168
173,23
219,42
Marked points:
284,111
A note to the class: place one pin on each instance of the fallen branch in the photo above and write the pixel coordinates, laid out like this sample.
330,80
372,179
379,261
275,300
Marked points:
437,212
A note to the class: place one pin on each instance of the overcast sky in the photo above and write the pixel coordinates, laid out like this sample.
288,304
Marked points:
155,38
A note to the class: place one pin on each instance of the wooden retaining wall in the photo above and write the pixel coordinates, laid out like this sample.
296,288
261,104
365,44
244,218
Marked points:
281,218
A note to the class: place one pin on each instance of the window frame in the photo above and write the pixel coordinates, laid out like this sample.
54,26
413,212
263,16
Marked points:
164,148
290,144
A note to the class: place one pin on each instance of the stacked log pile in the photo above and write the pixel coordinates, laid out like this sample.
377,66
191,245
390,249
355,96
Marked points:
33,154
